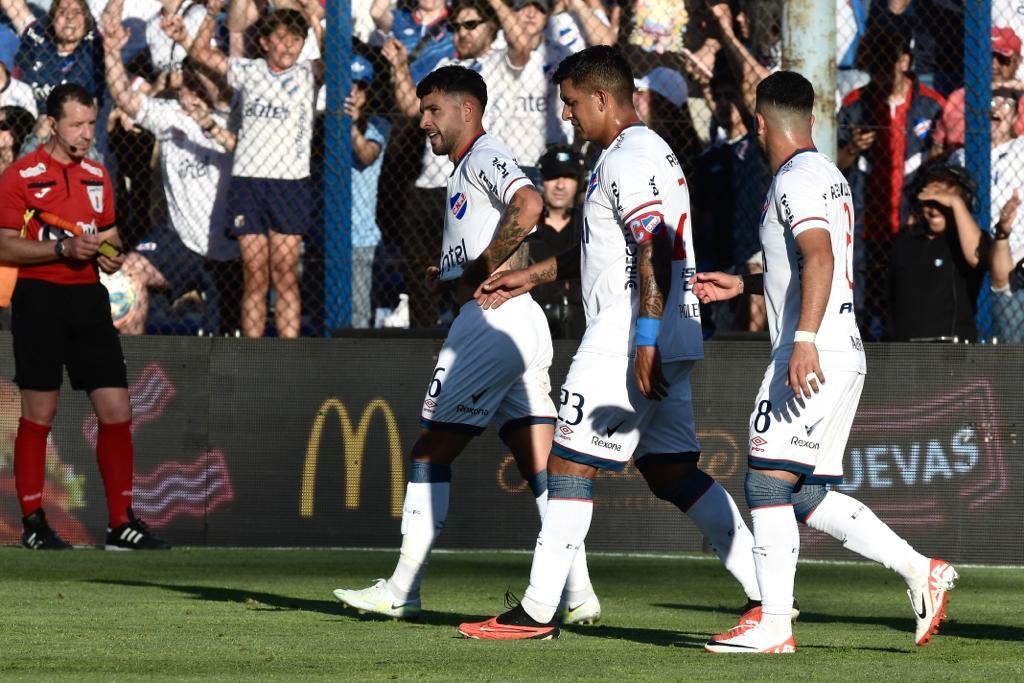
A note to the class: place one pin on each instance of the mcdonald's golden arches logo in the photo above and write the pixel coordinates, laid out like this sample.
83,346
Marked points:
353,444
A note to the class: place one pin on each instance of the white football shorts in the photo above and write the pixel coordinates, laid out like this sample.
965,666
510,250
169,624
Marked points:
603,420
493,367
804,436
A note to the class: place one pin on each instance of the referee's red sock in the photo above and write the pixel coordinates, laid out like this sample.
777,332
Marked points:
30,464
116,458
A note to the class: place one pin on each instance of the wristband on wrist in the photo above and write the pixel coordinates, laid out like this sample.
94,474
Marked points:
647,331
803,336
1000,235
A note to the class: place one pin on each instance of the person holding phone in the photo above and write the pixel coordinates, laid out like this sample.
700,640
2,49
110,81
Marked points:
57,224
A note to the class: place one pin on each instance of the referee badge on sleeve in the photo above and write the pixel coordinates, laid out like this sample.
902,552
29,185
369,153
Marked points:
95,197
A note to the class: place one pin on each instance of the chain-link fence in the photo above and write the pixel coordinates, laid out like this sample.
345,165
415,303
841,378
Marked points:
212,123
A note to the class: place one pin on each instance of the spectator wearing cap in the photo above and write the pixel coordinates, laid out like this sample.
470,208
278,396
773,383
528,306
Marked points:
423,30
660,101
1006,59
884,137
558,231
1006,189
938,262
369,138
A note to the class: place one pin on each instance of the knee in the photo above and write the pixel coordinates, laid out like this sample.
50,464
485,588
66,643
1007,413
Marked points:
763,490
806,499
683,487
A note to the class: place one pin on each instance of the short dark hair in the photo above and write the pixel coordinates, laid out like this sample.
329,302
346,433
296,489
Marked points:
786,90
482,7
881,48
66,92
454,80
20,123
598,66
292,19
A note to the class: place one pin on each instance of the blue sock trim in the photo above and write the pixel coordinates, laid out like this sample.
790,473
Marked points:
569,486
765,491
685,492
538,483
807,499
429,473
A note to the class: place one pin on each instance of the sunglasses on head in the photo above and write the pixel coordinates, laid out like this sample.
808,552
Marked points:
470,25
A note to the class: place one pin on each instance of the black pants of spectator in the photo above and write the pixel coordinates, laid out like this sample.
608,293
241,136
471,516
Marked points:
874,318
422,226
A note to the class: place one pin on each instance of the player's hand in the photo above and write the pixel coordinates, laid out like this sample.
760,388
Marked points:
500,287
862,140
110,264
716,286
647,371
432,280
1008,214
805,375
82,247
394,52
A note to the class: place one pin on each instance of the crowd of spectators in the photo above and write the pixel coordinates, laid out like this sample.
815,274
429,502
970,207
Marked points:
212,115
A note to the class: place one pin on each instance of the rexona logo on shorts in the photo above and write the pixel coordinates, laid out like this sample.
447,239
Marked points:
598,441
458,205
471,411
803,443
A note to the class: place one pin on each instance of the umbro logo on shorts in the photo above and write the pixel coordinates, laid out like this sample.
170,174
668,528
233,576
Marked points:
758,441
565,429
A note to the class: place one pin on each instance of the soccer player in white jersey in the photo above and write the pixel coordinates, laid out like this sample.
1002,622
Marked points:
628,388
493,366
806,404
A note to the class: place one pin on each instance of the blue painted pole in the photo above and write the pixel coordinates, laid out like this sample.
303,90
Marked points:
977,110
338,168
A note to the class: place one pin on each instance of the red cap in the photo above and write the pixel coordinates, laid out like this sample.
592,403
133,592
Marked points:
1005,41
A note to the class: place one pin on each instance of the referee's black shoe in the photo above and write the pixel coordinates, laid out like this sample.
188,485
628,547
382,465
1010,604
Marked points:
135,535
39,535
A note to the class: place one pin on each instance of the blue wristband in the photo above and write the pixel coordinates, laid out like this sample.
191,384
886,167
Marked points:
647,331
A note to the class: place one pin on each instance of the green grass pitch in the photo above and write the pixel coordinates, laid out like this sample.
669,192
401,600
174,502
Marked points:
269,614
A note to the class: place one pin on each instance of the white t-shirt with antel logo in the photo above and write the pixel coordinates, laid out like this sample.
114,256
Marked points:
196,171
277,119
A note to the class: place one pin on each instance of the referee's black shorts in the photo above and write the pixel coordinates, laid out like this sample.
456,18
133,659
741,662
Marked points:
57,326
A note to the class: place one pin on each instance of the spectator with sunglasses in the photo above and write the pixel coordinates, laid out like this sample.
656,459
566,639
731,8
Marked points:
938,262
1006,60
423,31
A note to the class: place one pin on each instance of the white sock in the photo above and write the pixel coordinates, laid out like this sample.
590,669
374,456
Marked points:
423,515
854,525
564,529
719,520
578,588
777,546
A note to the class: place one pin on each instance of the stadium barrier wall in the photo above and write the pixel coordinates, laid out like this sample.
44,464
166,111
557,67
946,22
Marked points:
304,443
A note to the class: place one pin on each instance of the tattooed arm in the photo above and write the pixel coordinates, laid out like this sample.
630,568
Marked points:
654,261
506,246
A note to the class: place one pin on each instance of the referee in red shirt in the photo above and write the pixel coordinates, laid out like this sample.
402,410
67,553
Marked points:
60,315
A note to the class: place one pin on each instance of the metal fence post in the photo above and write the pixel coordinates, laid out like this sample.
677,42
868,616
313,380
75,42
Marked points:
338,168
809,47
977,122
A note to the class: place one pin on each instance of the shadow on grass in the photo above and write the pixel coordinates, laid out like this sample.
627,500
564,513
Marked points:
272,602
949,628
647,636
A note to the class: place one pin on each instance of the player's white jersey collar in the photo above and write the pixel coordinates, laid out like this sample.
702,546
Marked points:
792,156
465,151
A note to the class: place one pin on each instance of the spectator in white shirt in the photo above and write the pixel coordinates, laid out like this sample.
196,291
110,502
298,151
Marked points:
196,146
